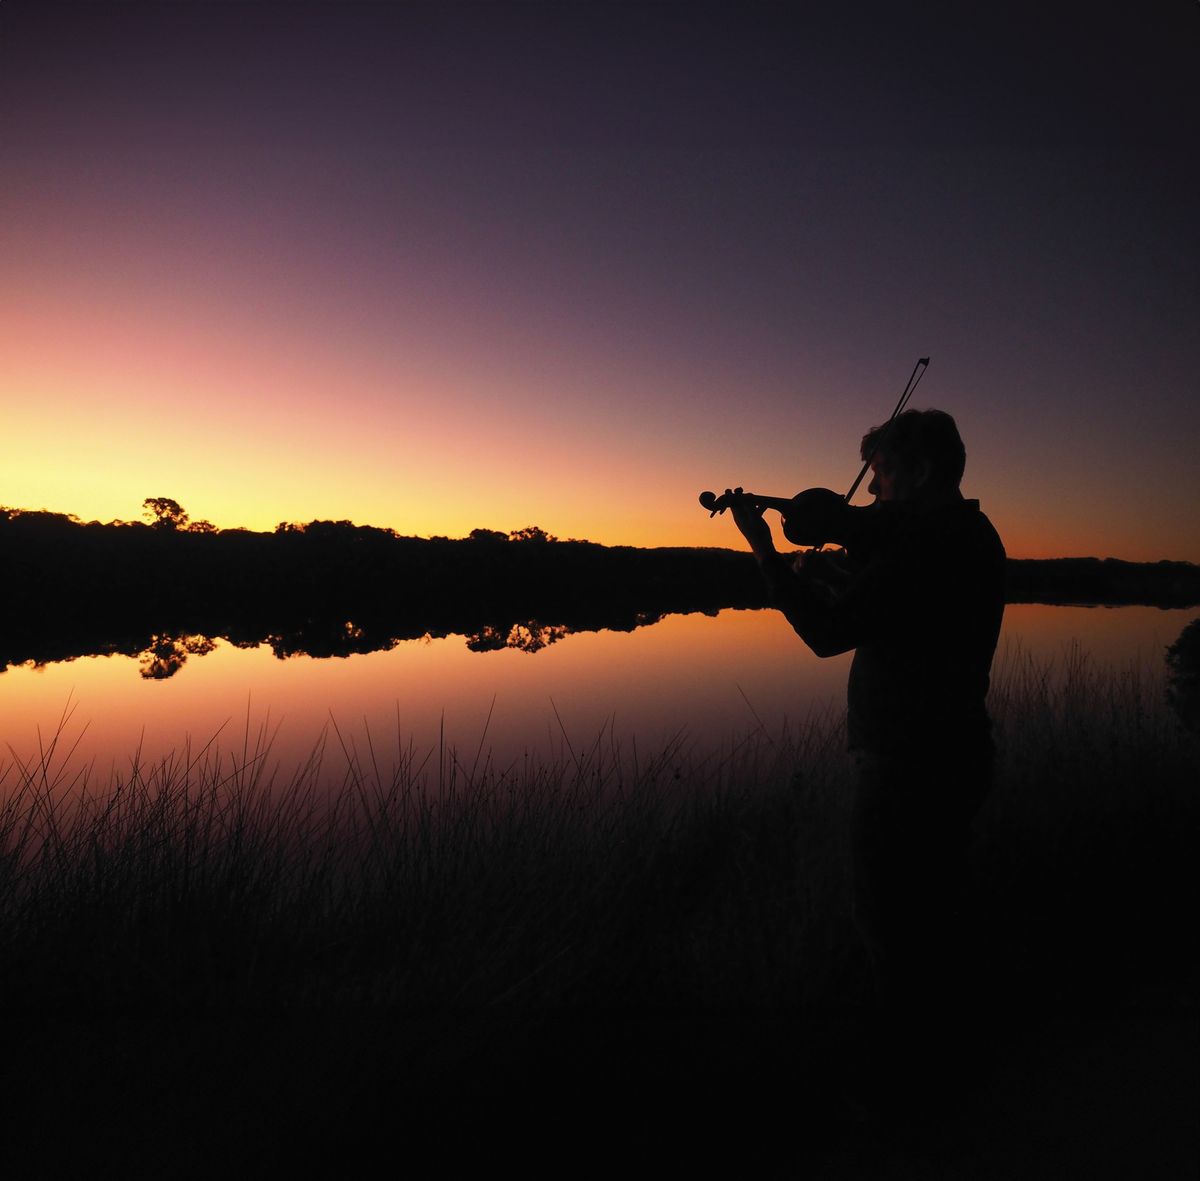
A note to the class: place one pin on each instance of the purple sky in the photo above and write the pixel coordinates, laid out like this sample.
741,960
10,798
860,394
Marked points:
454,265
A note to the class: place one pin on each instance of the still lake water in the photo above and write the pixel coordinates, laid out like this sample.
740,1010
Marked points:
705,680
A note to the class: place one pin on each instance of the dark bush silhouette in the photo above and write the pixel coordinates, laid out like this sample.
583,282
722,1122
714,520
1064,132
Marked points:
167,513
1183,676
531,533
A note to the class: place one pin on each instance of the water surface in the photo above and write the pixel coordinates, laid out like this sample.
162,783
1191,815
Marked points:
702,681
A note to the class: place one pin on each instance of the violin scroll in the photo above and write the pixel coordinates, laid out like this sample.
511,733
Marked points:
718,504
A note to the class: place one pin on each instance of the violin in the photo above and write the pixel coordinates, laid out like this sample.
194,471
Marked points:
814,517
820,516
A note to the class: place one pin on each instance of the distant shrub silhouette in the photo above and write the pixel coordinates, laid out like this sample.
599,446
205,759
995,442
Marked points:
1183,676
531,533
167,513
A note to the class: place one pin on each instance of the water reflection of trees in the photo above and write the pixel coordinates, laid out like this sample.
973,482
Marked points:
323,638
524,637
162,655
166,655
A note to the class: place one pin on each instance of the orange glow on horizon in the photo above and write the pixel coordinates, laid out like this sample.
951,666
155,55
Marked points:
251,403
61,493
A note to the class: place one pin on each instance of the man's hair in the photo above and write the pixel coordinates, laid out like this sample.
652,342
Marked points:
921,435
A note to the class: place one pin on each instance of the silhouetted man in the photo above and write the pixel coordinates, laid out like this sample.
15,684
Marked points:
921,607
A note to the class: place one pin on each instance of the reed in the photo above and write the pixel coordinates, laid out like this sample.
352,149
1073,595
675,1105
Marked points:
1086,857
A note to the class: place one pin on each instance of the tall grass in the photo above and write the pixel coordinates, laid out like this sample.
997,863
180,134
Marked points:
373,879
1087,847
213,880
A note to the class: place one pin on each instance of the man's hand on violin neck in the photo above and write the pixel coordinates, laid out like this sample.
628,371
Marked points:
749,519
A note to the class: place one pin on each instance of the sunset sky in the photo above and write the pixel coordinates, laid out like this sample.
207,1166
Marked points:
442,266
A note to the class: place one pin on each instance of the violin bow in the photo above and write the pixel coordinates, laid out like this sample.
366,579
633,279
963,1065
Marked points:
913,379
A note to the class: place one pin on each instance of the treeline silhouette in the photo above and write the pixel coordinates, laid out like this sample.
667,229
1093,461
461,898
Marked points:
1102,582
331,588
164,590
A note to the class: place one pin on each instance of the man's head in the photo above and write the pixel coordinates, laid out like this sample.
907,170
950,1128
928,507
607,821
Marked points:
919,455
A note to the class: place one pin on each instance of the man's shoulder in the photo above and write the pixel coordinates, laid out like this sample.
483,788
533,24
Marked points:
956,537
980,524
958,517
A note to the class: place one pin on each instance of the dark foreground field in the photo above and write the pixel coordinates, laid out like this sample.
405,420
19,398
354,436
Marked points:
383,962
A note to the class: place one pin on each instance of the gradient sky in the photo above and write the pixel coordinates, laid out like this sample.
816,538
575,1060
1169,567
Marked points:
443,266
